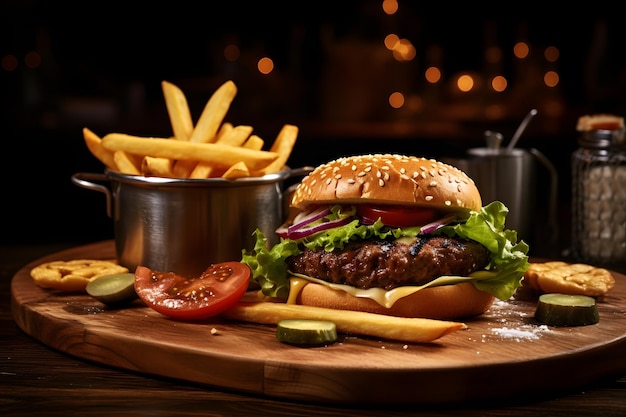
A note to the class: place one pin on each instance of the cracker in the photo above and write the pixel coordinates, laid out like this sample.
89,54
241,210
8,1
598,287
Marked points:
565,278
74,275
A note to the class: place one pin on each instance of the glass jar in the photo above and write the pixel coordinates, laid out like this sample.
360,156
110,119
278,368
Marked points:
599,198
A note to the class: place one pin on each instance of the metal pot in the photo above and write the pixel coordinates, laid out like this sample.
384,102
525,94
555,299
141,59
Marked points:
510,176
184,225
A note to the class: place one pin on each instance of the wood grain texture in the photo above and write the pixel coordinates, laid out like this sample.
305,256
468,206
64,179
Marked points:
503,354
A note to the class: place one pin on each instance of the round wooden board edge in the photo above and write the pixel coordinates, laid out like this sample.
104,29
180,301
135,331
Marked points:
276,383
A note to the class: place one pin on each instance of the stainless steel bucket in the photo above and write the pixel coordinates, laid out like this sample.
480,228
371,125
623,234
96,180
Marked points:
510,176
184,225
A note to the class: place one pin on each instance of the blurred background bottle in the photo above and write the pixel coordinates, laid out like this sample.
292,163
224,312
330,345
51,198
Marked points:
599,191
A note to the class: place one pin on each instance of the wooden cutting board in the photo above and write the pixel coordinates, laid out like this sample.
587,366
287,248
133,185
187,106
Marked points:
503,354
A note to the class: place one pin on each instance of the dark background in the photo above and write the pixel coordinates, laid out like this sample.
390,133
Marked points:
101,65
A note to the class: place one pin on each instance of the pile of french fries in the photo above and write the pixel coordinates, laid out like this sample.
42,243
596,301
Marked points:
212,148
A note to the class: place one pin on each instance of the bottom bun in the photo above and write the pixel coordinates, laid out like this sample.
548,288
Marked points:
446,302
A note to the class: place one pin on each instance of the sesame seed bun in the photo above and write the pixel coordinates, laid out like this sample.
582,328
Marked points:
388,179
398,180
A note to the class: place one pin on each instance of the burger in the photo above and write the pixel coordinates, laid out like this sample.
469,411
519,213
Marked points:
391,234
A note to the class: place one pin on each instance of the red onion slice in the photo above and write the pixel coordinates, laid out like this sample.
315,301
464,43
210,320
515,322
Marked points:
308,231
282,231
304,218
431,227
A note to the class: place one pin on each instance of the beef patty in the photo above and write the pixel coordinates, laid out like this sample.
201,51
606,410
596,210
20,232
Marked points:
390,264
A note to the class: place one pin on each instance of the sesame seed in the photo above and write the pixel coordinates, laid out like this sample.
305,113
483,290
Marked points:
433,184
338,176
386,176
448,202
381,183
428,197
328,181
351,181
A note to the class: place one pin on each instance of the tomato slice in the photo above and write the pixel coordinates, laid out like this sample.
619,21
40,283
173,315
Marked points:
217,289
397,216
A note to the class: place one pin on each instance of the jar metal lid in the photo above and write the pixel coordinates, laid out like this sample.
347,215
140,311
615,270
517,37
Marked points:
602,138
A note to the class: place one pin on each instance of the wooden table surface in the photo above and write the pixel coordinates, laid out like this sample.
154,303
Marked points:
37,380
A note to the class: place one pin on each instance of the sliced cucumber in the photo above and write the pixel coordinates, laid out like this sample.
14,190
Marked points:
567,310
114,289
306,332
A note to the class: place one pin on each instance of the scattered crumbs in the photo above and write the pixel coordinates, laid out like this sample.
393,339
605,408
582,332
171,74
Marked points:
525,332
213,330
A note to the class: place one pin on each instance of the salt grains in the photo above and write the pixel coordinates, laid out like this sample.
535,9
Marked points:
523,332
516,330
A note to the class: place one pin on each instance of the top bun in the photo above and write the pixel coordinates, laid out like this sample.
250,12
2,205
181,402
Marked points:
388,179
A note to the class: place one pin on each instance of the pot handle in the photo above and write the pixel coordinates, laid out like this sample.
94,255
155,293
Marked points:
554,179
300,172
84,180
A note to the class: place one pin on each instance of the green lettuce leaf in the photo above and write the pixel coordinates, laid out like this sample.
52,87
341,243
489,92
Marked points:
506,268
509,258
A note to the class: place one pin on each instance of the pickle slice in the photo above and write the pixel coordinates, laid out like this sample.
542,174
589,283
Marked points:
306,332
566,310
114,289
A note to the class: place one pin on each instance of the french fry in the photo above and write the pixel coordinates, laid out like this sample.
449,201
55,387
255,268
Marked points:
238,170
208,125
283,145
202,170
182,124
94,144
178,111
156,167
224,128
414,330
214,112
215,153
234,136
254,142
183,168
231,151
124,163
